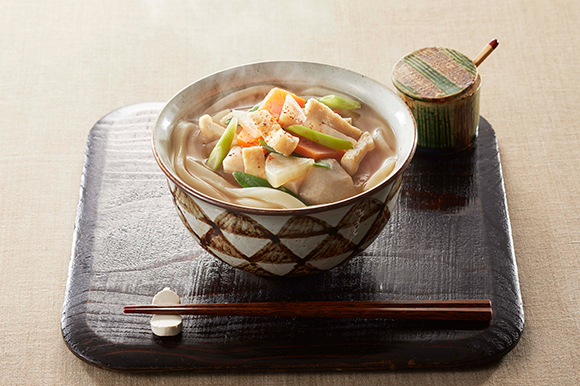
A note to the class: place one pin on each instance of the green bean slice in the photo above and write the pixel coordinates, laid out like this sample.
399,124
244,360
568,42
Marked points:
336,102
321,138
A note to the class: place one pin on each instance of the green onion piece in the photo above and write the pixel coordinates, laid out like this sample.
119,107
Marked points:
336,102
249,181
256,107
227,122
321,138
222,148
322,164
268,148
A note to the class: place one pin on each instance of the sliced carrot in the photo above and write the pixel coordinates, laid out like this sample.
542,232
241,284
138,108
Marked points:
310,149
274,101
247,139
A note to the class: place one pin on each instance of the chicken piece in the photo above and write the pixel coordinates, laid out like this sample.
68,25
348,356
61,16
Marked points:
322,185
353,157
254,162
283,142
292,113
234,161
318,114
265,123
209,128
279,139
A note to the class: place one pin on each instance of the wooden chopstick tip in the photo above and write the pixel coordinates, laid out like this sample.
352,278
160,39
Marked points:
487,50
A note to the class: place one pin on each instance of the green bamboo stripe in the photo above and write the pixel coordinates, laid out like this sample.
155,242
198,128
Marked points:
404,88
434,76
435,127
447,127
460,59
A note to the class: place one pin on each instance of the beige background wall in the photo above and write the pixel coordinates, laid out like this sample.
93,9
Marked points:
65,64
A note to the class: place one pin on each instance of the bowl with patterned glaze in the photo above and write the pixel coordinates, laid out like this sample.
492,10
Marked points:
284,242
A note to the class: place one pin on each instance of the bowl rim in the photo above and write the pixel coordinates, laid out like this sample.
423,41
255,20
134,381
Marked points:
271,211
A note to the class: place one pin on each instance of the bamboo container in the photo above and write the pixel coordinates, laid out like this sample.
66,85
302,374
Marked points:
441,86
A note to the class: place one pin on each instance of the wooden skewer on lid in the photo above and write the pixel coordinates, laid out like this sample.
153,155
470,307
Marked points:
466,310
487,50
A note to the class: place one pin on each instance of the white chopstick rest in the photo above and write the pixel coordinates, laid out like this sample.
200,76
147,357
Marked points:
166,325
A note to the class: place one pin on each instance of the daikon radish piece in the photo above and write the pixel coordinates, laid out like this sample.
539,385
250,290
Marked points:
281,169
292,113
274,101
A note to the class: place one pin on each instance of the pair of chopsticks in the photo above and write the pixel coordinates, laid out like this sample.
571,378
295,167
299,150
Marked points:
466,310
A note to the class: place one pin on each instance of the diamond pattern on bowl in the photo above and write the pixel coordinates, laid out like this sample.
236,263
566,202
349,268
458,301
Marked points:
395,188
301,248
276,268
377,227
361,212
241,224
333,245
299,226
358,230
291,246
246,245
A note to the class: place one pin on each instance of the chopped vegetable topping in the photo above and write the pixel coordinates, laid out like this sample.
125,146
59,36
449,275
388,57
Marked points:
274,101
267,147
249,181
308,149
336,102
256,107
222,148
320,138
292,113
322,164
247,138
281,169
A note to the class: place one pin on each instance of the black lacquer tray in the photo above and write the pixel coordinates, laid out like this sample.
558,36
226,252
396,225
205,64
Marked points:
449,238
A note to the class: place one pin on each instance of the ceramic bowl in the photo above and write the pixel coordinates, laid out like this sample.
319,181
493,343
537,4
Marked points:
285,242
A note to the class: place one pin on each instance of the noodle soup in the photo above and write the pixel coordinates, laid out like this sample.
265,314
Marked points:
262,219
288,148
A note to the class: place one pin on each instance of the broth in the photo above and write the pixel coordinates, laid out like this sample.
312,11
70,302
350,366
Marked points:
190,149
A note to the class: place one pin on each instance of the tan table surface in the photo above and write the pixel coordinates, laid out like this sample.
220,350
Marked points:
65,64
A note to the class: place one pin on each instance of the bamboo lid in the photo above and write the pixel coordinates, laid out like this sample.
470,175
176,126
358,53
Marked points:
434,73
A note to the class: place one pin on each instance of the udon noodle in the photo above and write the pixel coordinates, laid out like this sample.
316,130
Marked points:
272,162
